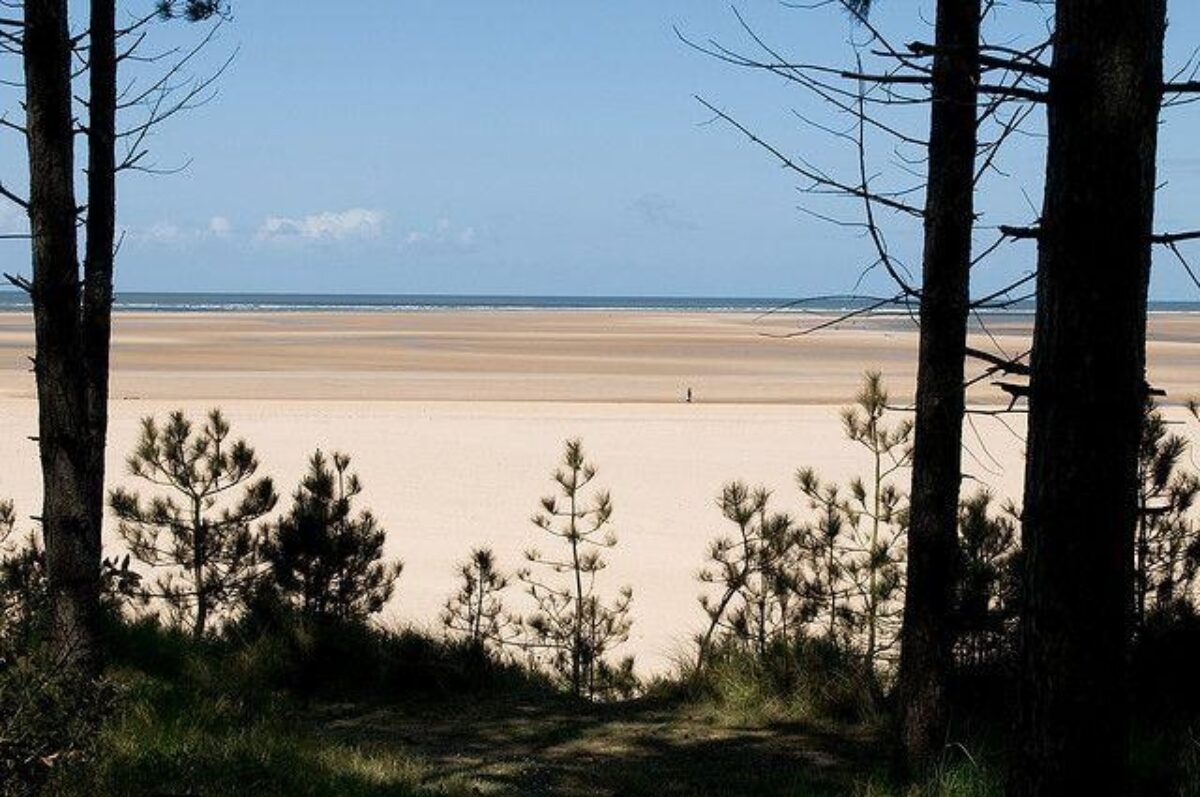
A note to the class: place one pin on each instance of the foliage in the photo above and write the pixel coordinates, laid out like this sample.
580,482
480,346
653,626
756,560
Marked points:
48,712
825,541
878,520
1163,686
476,611
758,570
858,9
1167,543
323,558
571,628
838,576
192,10
8,521
22,585
204,539
986,588
799,679
48,719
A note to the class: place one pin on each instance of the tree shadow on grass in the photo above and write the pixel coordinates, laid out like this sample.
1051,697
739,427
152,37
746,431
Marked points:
565,748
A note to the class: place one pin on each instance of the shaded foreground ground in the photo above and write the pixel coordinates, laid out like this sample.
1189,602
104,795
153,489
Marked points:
520,747
170,739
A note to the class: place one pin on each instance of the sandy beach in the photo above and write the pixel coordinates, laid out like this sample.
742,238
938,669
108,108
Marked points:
455,421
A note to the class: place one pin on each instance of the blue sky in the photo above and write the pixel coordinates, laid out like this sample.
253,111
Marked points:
535,147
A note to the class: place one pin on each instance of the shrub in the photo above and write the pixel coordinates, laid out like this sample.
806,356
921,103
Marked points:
48,713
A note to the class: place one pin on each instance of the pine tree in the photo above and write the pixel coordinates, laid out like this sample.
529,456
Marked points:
571,626
877,520
758,570
72,301
985,590
47,712
23,588
8,522
945,304
783,556
200,531
476,611
825,542
1167,545
842,572
1087,393
192,10
324,559
15,613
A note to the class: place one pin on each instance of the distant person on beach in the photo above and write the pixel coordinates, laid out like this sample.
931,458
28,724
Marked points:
689,395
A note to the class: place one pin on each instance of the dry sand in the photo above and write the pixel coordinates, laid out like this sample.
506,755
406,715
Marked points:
455,421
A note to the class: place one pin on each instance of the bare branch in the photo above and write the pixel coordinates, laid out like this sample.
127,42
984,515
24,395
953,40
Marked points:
809,173
1167,239
11,197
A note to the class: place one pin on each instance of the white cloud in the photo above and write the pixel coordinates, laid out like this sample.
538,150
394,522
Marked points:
352,224
164,233
168,233
220,227
443,236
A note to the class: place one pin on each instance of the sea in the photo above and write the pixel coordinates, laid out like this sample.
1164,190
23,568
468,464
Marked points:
16,301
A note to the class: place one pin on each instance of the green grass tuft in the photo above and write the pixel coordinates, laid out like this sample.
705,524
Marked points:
173,740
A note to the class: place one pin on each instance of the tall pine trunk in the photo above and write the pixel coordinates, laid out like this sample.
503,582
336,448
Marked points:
72,535
101,231
1087,395
927,636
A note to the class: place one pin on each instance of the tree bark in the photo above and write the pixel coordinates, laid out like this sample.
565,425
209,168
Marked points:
199,554
101,242
1087,393
927,635
72,535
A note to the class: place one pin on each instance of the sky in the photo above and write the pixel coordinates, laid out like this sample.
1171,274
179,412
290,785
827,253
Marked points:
540,147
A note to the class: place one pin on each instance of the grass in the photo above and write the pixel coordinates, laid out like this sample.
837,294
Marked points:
810,682
164,745
295,709
168,742
236,717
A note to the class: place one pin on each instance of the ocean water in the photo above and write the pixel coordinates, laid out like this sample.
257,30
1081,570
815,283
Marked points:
15,301
150,302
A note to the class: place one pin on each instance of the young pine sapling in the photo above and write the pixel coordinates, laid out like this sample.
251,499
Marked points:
759,574
476,612
825,552
570,623
200,531
985,590
878,520
324,559
1167,544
